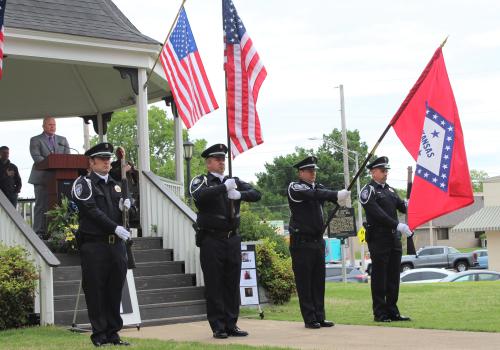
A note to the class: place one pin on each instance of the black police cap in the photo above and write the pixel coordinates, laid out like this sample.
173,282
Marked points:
307,163
102,150
217,150
380,162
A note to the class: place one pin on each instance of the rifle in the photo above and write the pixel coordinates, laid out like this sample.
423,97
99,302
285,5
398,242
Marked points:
410,245
125,216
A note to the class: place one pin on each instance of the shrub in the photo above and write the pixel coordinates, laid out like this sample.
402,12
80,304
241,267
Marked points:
275,272
18,279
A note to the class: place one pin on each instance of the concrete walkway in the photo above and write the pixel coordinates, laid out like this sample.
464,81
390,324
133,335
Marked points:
293,335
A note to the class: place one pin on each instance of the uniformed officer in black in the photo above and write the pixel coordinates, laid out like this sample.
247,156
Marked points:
102,248
307,247
383,235
220,244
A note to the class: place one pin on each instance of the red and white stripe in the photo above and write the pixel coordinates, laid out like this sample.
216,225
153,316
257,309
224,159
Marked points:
1,50
245,74
189,83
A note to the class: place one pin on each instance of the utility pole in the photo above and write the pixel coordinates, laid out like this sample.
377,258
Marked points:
346,165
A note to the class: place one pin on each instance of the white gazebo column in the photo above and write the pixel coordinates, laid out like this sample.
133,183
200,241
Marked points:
143,151
100,128
179,154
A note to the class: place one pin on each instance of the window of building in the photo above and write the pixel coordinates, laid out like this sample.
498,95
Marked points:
442,234
477,234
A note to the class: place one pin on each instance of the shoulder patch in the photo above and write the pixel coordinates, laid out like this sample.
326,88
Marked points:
82,189
196,183
296,186
365,194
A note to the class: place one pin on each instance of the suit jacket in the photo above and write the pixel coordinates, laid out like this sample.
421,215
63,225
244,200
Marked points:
39,150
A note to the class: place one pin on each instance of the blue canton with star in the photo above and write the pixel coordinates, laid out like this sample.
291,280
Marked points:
446,137
182,38
233,26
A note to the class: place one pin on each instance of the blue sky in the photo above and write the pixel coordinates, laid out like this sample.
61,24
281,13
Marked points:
376,50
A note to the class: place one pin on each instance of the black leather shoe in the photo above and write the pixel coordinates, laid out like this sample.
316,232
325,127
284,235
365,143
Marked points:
220,334
120,342
98,342
236,332
400,318
382,319
326,323
313,325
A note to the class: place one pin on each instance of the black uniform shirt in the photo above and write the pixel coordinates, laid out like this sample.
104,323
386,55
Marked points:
97,203
381,203
210,198
10,185
306,205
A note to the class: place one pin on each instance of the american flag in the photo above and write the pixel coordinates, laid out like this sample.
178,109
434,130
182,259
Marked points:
245,73
2,13
185,73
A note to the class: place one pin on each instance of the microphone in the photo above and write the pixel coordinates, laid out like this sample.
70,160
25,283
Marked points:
63,145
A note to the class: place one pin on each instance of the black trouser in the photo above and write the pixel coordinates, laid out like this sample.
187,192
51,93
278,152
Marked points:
386,264
221,264
308,263
104,269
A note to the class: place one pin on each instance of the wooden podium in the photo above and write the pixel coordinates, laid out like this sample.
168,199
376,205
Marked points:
63,169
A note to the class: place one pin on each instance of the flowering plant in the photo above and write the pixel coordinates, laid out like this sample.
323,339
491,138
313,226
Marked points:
62,227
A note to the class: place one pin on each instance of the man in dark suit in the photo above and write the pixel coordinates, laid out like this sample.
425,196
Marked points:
218,199
40,147
383,235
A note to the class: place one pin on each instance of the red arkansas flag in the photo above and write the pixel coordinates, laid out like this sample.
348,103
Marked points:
428,125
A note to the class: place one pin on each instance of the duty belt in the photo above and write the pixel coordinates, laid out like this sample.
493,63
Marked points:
298,238
109,239
225,234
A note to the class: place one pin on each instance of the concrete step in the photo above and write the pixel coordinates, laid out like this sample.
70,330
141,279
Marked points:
73,273
141,283
147,255
153,255
148,312
141,243
154,296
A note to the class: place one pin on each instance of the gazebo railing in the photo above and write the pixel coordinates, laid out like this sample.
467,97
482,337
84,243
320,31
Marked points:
164,214
15,231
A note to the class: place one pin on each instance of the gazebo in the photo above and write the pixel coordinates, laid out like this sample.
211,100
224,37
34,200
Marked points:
86,59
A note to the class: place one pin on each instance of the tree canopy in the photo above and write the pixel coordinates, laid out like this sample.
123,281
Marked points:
273,183
122,131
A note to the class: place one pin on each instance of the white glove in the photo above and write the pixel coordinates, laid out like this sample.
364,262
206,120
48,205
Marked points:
230,184
122,232
407,203
234,194
124,203
403,228
342,196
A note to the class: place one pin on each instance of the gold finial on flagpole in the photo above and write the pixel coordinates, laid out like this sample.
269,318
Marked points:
444,42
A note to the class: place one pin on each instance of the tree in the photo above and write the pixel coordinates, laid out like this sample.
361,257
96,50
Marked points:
122,131
477,177
273,183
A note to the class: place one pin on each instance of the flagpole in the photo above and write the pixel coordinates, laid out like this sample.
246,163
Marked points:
229,152
168,36
392,122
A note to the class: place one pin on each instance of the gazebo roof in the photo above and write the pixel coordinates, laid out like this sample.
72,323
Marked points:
69,58
90,18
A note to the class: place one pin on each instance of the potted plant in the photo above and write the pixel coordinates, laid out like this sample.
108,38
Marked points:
62,227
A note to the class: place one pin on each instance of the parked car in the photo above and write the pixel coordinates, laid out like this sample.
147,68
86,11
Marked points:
481,258
473,275
424,275
438,256
353,274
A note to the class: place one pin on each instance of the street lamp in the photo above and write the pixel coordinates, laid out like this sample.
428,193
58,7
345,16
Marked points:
188,154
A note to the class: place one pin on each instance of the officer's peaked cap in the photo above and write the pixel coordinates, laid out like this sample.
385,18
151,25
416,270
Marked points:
308,163
102,150
217,150
380,162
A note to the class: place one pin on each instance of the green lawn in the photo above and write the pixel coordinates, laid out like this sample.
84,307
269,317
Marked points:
467,306
54,338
